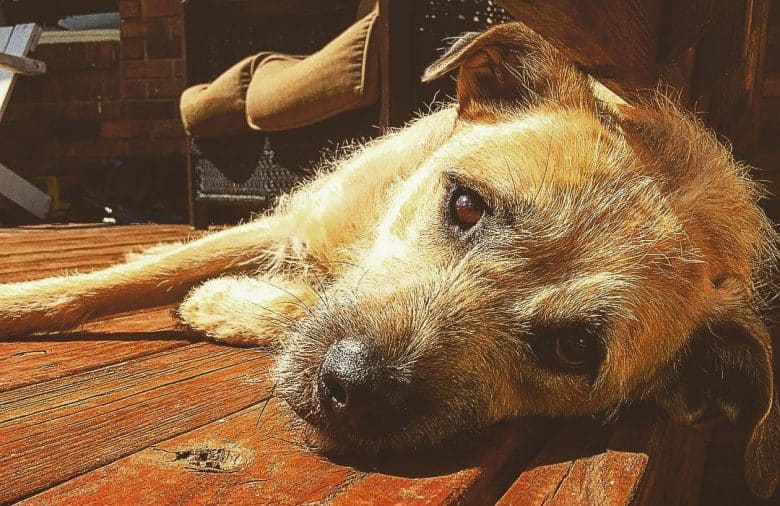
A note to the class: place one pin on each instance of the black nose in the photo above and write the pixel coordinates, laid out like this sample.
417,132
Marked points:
357,390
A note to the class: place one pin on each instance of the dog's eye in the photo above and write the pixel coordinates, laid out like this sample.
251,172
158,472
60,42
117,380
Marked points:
576,349
566,346
466,208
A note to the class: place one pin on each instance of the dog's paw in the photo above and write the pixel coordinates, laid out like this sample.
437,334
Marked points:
239,311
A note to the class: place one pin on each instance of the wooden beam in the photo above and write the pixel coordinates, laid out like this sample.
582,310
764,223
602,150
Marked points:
21,40
615,41
397,80
22,65
25,195
685,23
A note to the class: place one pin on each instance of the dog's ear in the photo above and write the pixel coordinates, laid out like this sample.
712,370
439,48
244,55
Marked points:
728,367
509,66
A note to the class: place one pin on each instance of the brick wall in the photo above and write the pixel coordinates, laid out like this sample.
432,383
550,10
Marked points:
104,119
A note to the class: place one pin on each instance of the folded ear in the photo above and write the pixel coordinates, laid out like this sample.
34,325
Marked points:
728,367
509,66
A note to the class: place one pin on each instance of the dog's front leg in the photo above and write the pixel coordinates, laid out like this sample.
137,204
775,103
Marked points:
245,310
149,280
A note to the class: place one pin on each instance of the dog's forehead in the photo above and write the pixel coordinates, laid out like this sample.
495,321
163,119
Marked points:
569,141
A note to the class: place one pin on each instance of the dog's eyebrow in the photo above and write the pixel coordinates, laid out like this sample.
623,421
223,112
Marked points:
592,298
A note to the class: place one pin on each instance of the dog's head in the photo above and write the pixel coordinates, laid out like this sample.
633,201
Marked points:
558,255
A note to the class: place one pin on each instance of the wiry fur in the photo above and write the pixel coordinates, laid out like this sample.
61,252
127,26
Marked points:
632,220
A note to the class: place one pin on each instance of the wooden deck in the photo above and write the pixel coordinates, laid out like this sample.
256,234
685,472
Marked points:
126,410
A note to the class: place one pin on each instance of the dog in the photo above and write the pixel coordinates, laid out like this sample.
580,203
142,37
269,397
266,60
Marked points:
534,249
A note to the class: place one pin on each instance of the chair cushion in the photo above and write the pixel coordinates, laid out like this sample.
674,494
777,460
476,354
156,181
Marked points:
218,109
289,92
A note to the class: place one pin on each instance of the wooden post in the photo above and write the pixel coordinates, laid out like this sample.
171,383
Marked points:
22,65
615,41
395,59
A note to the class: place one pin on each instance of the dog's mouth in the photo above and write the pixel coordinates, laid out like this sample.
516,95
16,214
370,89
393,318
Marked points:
376,429
422,422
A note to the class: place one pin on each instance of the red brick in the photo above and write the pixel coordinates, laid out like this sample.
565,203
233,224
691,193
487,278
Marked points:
166,129
97,148
162,8
140,28
179,68
133,49
61,58
164,48
61,111
78,87
130,9
166,88
112,86
123,129
59,130
140,69
109,109
176,26
157,147
150,109
133,88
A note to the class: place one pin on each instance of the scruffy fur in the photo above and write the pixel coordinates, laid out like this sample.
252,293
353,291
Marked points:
631,220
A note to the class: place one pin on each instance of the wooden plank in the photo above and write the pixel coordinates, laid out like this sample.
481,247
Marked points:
76,255
37,403
25,195
22,40
102,343
473,472
546,473
40,237
100,424
395,59
684,23
22,65
271,466
5,36
266,465
772,85
616,41
675,469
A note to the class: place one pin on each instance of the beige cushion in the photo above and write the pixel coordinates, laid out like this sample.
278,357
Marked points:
218,109
288,92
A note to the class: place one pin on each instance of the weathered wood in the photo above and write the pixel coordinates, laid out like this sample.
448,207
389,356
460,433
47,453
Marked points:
674,471
22,40
473,473
263,463
395,59
29,253
685,23
117,413
772,85
615,41
588,463
22,65
105,342
25,195
270,467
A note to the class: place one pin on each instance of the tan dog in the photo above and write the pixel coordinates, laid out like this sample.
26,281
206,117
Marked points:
532,251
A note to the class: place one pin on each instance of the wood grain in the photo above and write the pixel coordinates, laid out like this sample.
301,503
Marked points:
119,411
